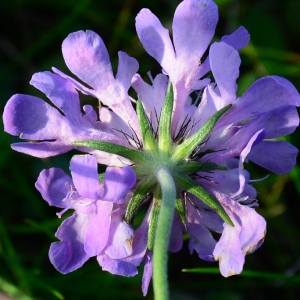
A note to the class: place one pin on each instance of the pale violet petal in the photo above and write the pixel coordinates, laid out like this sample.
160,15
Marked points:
193,28
54,185
85,175
68,254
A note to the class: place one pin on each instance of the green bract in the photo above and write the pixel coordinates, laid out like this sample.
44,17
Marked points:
161,152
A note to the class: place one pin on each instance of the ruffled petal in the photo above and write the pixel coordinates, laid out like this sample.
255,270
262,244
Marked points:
238,39
276,156
86,56
193,28
153,96
41,149
281,121
117,183
127,67
113,95
116,266
265,94
32,118
155,38
245,237
61,92
225,62
84,171
54,185
140,241
68,254
97,232
201,240
121,238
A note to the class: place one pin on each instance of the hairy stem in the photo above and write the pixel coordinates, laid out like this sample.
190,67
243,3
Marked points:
162,235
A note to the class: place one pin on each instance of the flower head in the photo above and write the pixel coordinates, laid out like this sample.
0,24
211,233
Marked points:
183,157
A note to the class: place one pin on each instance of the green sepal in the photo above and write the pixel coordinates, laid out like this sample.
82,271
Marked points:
180,208
132,154
192,187
154,217
143,188
196,166
148,139
186,148
165,119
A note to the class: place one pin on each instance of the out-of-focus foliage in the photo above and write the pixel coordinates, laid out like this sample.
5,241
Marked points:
30,39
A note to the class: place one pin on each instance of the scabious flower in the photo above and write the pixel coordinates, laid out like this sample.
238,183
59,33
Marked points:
187,154
87,232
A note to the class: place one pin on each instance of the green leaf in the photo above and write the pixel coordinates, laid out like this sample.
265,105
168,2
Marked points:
148,139
144,187
192,187
132,154
186,148
164,138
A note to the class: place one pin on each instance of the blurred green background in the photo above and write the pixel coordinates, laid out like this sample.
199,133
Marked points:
30,40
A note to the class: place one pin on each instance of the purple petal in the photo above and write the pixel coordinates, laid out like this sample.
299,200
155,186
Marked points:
246,236
201,240
117,183
32,118
281,121
121,238
225,62
176,238
193,27
153,96
86,56
128,66
116,266
114,95
284,82
229,253
265,94
147,273
140,240
41,149
61,92
155,38
54,185
97,232
277,156
238,39
69,255
84,171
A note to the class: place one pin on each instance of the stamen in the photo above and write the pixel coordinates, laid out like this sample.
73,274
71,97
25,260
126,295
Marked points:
73,200
261,179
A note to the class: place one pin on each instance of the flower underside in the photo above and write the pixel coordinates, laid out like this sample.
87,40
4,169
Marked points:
160,151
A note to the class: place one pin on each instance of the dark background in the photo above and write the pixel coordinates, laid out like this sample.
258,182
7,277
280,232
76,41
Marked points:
31,33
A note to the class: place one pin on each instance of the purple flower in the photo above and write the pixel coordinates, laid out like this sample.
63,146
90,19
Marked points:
33,119
201,136
87,232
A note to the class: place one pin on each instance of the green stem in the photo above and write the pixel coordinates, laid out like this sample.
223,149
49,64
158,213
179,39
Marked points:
163,231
